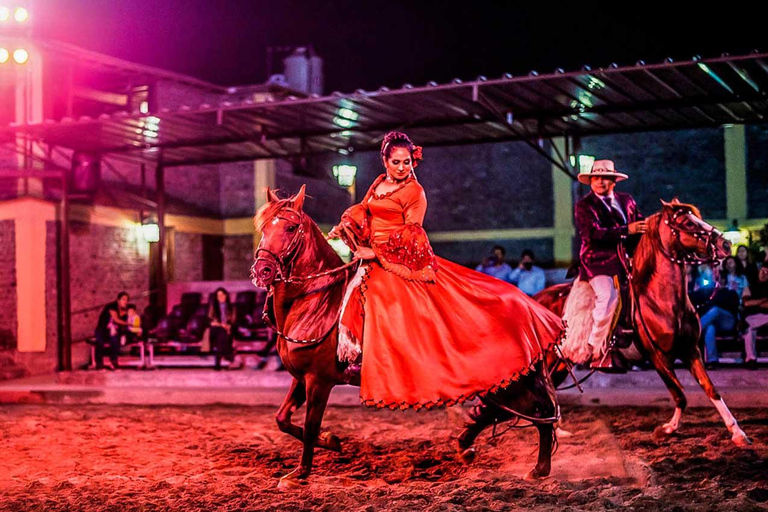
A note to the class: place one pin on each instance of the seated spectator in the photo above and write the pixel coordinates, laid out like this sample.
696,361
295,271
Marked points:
134,330
750,268
495,265
222,315
527,276
756,316
724,313
112,320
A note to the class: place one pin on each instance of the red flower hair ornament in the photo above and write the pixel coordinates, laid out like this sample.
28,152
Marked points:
418,155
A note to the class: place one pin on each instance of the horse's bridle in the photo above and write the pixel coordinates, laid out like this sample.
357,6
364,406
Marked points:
708,236
284,266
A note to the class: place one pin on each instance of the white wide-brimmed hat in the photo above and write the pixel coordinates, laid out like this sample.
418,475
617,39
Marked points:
602,168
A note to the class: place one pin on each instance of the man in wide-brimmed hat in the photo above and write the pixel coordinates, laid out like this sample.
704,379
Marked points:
604,218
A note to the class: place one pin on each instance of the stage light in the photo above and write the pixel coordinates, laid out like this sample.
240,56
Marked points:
585,163
20,56
144,107
345,175
736,236
4,55
21,15
5,13
150,231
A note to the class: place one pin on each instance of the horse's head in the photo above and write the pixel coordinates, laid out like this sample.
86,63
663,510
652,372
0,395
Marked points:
281,223
688,238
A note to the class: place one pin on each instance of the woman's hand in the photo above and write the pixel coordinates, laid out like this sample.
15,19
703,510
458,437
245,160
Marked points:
365,253
335,232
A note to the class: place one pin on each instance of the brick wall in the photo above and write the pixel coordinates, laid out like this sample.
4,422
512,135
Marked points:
188,257
105,260
8,325
236,186
238,257
689,164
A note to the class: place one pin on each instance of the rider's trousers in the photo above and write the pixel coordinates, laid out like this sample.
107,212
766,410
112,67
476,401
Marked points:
606,300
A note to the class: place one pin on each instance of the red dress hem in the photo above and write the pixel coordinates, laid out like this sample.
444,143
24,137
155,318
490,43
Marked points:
443,402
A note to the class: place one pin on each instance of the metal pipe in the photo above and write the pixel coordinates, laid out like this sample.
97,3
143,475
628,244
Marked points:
160,270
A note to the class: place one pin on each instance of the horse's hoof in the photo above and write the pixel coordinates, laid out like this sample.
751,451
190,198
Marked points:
659,434
668,429
740,439
290,481
467,456
329,442
535,475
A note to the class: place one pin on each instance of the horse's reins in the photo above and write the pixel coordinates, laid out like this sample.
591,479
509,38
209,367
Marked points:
284,267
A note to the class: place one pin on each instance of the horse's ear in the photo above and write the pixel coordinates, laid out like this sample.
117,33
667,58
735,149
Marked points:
271,196
666,204
675,200
298,199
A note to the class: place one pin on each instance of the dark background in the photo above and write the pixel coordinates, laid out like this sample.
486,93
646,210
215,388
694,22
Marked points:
367,44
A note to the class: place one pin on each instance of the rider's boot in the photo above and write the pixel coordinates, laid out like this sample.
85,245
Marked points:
611,362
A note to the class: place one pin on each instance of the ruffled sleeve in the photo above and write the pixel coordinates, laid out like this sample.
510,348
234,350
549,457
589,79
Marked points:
408,252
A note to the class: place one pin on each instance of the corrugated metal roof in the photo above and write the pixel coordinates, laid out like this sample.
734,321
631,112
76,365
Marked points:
668,95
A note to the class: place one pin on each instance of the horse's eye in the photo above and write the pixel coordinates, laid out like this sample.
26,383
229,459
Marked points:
291,228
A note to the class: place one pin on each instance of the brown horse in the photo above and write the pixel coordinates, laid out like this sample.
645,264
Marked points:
665,322
306,280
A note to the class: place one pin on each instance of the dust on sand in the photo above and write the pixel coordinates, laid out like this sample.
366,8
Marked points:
227,458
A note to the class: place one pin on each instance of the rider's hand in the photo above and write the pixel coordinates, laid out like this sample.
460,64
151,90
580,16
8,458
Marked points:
365,253
335,232
637,227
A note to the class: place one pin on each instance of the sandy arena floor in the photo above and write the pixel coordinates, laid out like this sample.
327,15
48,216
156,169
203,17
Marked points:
229,458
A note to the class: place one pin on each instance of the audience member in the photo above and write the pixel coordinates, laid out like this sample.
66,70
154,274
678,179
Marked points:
701,284
750,268
112,320
134,324
222,315
723,315
495,265
527,276
756,316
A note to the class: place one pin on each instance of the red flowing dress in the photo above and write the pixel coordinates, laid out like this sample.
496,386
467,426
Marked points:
433,333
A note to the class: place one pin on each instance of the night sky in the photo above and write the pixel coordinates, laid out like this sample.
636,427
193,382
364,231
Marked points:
366,44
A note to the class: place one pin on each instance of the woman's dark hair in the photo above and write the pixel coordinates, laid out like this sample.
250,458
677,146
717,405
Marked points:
394,140
739,265
121,295
749,256
214,306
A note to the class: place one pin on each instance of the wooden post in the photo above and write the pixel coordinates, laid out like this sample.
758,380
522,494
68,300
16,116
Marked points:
160,275
65,334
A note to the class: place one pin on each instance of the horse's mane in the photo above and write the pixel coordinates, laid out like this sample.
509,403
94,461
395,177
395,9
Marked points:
650,243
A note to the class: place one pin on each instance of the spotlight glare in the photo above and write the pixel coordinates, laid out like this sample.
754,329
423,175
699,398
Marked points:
21,15
20,56
5,13
4,55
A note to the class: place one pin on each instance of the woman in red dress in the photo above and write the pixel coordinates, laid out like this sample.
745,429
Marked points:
432,333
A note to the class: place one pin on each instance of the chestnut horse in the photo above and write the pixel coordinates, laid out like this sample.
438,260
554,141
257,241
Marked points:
665,322
306,281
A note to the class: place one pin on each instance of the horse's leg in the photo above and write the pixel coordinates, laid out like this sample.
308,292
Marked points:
295,399
317,399
667,374
544,463
482,415
700,374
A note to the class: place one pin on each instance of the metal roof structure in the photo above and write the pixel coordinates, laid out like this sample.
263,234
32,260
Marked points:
664,96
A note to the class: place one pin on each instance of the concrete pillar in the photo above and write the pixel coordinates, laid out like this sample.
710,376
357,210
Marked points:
30,217
562,195
735,171
264,175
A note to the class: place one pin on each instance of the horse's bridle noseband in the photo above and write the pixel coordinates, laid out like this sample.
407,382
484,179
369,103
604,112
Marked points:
708,236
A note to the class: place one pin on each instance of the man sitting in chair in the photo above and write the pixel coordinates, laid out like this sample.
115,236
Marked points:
604,218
